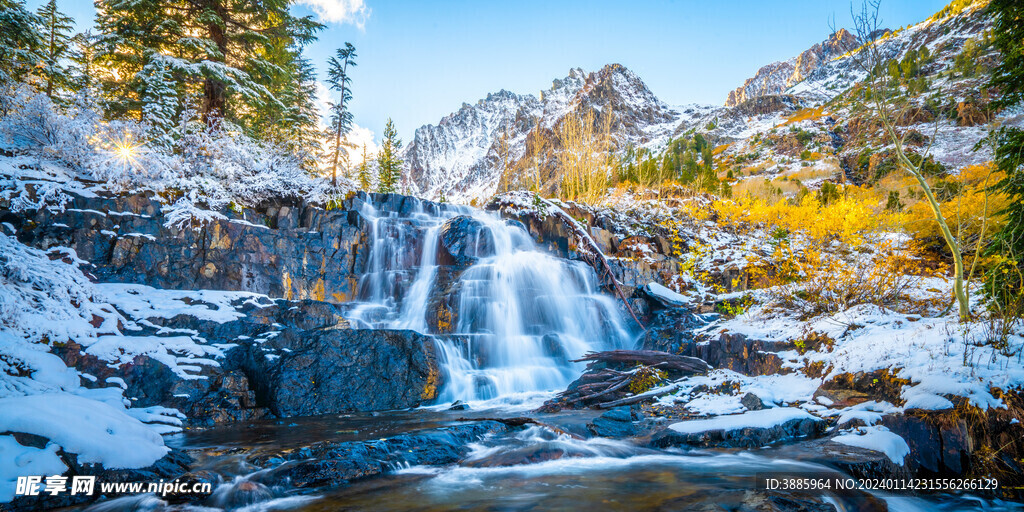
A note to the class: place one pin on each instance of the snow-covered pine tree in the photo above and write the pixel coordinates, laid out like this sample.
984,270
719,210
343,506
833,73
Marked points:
128,29
56,30
389,165
341,119
20,41
82,70
220,43
160,100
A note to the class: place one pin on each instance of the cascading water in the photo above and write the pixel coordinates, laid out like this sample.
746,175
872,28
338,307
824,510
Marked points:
520,314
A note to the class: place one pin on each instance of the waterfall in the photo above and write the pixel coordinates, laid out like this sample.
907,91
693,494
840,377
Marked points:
520,314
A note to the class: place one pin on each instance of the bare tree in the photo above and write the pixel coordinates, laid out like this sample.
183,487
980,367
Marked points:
885,100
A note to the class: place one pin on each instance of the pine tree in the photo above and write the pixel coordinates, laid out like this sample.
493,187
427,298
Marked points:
160,100
20,41
83,58
341,118
56,33
226,46
293,120
129,32
389,165
1005,281
364,172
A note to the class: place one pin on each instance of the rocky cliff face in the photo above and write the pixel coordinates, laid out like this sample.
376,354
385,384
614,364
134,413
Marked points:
776,77
462,158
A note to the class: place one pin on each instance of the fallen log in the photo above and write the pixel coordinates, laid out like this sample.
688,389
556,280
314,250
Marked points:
630,400
661,360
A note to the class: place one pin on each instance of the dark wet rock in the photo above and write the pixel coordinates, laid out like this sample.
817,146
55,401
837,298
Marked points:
746,437
459,405
752,402
939,445
615,423
224,392
738,353
221,395
464,240
531,454
239,494
330,464
298,373
670,329
850,460
554,348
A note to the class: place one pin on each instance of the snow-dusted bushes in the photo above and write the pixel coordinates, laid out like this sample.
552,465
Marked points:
43,299
198,168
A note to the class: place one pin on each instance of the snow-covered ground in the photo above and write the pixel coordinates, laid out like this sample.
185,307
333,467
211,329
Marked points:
45,301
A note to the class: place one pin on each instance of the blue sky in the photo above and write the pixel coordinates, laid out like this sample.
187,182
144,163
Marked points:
420,60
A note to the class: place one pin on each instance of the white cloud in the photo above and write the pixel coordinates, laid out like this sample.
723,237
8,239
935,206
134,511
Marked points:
358,136
354,12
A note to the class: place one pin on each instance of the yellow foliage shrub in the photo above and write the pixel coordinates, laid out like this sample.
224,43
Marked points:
847,219
812,281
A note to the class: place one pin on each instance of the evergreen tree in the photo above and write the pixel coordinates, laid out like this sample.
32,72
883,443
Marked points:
1008,77
364,172
131,31
83,70
20,40
293,120
389,165
56,33
341,118
160,100
231,48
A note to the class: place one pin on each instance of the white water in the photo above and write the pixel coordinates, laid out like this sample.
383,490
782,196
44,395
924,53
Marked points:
521,313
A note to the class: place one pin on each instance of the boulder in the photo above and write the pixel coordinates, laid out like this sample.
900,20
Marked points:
616,423
301,373
463,241
748,430
329,464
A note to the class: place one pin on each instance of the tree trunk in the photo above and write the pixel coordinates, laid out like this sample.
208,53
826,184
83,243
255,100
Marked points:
214,90
337,134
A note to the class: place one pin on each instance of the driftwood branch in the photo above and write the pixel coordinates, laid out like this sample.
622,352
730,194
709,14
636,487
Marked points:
606,383
660,360
629,400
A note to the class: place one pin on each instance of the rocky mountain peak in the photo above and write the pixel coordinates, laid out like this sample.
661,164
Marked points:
459,157
776,77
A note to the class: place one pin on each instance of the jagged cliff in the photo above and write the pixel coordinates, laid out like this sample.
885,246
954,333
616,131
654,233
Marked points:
776,77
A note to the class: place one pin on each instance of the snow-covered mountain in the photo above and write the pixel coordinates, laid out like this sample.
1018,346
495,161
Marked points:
776,77
460,156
